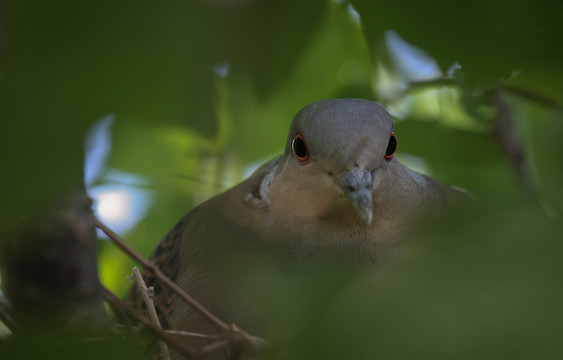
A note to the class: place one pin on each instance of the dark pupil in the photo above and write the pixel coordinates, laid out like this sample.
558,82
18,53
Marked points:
391,146
299,148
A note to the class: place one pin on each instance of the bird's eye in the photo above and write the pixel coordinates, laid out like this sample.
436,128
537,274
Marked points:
391,147
300,148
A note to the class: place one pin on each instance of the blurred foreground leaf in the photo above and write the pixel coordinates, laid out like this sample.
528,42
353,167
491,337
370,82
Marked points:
484,284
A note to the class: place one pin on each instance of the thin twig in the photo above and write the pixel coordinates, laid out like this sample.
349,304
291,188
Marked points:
439,81
533,96
150,267
221,344
142,288
191,334
511,144
231,333
121,306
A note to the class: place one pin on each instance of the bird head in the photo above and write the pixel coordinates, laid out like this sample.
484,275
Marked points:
347,140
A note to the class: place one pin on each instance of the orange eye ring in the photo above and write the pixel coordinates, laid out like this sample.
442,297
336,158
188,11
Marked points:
391,147
300,148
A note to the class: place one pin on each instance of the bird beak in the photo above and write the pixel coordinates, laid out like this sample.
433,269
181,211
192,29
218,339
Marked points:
357,185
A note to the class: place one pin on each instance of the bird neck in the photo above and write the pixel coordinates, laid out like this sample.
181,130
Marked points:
299,196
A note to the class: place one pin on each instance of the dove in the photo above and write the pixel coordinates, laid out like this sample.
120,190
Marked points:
338,195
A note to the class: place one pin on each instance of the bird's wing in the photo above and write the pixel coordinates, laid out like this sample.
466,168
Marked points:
197,226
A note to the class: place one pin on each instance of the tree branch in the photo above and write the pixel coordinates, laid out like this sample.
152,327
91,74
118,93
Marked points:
120,305
235,337
511,144
142,287
154,270
533,96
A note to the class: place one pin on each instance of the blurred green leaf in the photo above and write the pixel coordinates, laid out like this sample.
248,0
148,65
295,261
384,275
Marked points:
489,39
480,284
486,284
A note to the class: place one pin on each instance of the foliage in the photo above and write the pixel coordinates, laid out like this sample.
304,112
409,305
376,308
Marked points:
485,282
